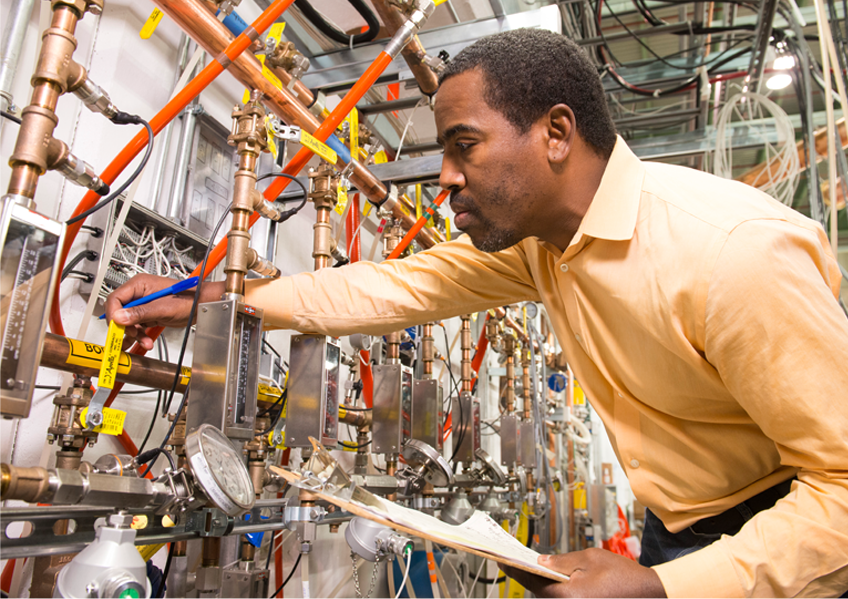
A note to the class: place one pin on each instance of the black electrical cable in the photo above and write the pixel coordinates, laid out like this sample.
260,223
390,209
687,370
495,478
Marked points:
163,354
282,398
191,314
646,13
497,580
163,586
96,232
48,387
285,582
10,116
366,444
122,118
357,409
85,276
288,213
72,263
151,454
334,33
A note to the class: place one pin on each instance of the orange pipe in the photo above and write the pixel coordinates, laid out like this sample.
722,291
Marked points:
419,224
6,577
157,123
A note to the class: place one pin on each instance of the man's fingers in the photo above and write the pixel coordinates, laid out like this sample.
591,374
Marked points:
538,585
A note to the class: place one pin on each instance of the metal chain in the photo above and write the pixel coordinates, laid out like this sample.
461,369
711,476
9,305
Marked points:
356,586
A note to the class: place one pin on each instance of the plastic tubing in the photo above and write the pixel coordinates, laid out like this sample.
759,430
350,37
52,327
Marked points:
431,567
419,224
158,122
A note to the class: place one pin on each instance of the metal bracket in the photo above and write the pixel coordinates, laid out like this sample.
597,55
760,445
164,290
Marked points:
281,131
209,522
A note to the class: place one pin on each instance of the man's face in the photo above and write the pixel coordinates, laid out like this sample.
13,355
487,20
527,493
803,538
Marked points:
490,168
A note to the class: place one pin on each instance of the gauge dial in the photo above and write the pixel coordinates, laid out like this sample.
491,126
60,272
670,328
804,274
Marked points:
219,470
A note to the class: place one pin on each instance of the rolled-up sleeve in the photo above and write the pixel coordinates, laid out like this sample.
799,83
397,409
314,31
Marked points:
450,279
779,340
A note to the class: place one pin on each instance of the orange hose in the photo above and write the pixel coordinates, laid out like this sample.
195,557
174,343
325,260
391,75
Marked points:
6,577
157,123
419,224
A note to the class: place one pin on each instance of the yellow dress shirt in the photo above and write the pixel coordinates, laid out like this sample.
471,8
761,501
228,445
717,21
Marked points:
700,316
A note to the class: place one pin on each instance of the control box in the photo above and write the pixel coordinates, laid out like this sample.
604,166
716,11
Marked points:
392,408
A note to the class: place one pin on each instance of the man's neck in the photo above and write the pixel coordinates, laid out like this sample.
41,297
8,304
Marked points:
580,180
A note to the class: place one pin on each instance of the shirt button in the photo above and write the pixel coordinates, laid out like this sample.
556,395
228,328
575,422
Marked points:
634,462
563,267
579,340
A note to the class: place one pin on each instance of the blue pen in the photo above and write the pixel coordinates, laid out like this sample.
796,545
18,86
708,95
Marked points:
172,290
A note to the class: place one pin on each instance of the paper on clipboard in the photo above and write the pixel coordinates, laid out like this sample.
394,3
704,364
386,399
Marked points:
479,534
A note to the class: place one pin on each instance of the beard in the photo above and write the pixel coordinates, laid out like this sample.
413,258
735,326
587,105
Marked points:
484,233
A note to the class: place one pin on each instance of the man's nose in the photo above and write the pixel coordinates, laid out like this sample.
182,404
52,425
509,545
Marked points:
451,178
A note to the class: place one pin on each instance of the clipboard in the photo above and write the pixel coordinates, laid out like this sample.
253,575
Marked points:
362,503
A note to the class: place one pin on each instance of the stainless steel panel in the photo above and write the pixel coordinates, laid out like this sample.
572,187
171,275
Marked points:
527,445
392,408
510,434
225,368
466,427
209,188
29,253
236,582
427,413
313,391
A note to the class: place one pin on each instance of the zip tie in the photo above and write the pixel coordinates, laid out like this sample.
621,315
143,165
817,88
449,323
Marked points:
224,60
251,33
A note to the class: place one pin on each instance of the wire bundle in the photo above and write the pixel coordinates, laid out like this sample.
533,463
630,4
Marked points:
782,172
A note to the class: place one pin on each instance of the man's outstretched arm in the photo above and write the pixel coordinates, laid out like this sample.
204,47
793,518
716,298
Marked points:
450,279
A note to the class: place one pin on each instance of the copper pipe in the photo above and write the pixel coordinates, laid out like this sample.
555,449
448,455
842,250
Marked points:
413,52
26,484
428,350
465,346
213,37
509,391
249,137
355,417
303,93
211,552
79,357
29,159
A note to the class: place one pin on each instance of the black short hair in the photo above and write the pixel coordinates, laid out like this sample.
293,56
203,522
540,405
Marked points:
528,71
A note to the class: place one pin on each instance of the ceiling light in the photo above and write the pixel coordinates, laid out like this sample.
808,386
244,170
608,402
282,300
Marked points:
779,81
784,63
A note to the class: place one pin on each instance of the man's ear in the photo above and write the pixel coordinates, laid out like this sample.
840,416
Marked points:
561,131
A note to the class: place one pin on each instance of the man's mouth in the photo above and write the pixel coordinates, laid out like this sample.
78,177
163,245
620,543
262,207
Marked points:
461,218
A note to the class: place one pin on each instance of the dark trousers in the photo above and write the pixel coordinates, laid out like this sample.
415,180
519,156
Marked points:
660,546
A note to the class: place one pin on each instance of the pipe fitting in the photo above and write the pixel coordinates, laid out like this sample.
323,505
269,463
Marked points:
261,266
74,169
94,98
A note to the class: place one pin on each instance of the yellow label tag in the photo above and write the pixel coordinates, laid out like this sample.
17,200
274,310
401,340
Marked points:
185,375
353,119
111,356
349,446
269,134
580,497
381,157
276,30
474,317
342,413
91,356
151,23
366,208
403,208
113,421
419,210
341,200
282,444
320,148
437,2
447,229
579,395
266,72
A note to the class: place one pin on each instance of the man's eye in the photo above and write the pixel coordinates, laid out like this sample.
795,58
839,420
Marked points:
463,146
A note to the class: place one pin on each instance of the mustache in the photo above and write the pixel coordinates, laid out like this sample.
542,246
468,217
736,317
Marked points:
462,203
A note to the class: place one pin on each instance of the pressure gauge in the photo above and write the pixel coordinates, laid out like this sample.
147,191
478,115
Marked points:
532,310
218,469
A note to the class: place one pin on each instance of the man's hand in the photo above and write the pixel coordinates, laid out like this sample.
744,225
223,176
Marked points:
594,573
171,311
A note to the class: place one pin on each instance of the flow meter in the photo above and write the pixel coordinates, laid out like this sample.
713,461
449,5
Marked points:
219,471
29,252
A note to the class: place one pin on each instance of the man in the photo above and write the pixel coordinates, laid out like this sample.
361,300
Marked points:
699,315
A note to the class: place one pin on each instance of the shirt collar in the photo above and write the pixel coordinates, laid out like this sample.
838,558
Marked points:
614,209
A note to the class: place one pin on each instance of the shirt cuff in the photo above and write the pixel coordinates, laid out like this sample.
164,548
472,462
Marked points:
275,297
708,572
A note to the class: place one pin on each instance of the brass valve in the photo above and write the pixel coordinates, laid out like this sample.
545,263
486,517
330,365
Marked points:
285,56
